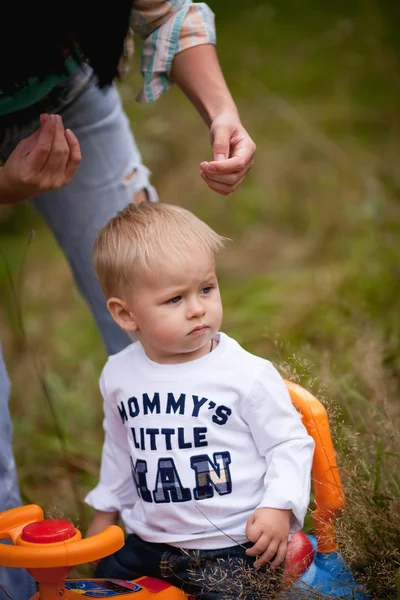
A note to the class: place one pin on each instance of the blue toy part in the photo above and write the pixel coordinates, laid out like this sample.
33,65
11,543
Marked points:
328,575
313,541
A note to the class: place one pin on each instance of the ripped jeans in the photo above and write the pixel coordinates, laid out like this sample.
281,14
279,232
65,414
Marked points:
110,174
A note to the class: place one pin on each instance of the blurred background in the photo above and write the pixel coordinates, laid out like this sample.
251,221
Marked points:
310,280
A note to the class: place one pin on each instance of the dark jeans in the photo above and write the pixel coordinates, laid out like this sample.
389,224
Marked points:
206,574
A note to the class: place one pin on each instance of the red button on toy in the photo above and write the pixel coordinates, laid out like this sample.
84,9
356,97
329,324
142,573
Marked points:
48,531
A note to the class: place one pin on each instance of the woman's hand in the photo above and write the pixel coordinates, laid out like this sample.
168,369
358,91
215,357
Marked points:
44,161
233,151
196,70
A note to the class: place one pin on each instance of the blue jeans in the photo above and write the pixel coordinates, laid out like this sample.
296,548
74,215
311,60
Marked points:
205,574
110,174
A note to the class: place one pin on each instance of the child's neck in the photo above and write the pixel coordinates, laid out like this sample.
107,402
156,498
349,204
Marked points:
179,358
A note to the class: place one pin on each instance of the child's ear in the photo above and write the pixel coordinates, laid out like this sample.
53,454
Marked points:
121,314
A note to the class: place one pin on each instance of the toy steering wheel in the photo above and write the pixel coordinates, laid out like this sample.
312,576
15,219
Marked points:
40,543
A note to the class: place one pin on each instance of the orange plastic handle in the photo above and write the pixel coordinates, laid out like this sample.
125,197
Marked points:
61,554
14,520
328,491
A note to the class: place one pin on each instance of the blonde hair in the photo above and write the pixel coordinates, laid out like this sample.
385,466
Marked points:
142,236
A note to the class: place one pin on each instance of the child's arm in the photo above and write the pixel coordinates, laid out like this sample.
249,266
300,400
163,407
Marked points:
115,489
101,521
282,439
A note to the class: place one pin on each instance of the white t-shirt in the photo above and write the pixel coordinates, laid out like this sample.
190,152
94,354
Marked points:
192,449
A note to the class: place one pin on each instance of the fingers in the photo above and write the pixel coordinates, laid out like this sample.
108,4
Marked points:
253,531
224,188
59,153
229,179
280,555
264,557
44,161
242,158
40,152
225,176
236,164
221,142
43,118
267,549
259,547
240,163
28,144
75,155
268,545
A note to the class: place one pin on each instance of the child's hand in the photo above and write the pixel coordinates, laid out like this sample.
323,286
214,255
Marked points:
269,529
101,521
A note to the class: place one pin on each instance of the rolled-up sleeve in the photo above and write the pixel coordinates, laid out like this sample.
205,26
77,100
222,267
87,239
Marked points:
168,28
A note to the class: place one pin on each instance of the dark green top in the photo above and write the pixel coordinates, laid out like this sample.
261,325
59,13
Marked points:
35,89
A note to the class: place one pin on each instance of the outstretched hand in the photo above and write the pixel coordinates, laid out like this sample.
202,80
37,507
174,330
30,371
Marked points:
44,161
233,151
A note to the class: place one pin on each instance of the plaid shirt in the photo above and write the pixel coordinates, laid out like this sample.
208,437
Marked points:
167,28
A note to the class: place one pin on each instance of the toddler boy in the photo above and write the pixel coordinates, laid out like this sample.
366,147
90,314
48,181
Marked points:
205,459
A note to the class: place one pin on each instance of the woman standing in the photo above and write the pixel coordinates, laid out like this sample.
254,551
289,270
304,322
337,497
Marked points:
59,110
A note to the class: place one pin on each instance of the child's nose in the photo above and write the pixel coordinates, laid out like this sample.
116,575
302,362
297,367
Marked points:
195,309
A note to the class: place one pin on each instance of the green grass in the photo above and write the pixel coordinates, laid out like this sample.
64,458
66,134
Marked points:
310,280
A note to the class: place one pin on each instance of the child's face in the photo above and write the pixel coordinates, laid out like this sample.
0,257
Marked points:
177,309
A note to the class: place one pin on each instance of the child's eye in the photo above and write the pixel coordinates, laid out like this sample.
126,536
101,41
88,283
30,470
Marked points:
174,300
206,290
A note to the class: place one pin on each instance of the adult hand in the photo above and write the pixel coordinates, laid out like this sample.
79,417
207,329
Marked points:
233,151
44,161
